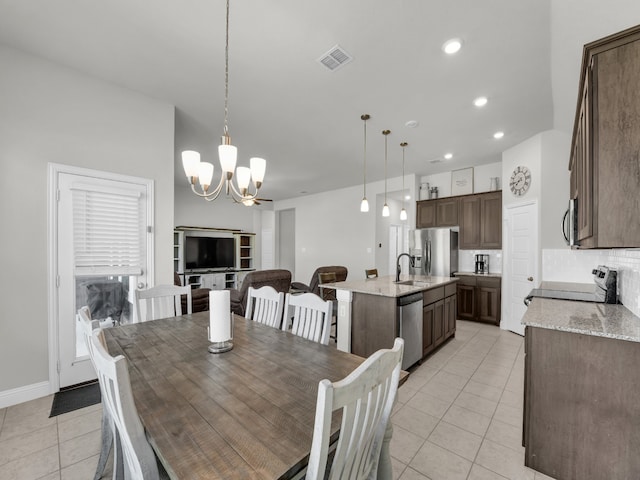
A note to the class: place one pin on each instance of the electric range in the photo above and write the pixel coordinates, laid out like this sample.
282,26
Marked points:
605,289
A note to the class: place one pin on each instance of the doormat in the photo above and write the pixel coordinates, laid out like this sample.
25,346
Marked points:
69,400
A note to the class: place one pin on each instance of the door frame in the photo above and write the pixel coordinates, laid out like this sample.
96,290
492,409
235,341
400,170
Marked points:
506,276
53,171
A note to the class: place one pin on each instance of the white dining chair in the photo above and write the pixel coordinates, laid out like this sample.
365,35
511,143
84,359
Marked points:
88,327
138,457
309,316
366,397
265,305
161,302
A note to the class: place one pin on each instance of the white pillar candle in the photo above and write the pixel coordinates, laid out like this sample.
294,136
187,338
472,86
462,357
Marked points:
219,316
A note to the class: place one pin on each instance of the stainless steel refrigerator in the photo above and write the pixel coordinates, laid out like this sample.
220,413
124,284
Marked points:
434,251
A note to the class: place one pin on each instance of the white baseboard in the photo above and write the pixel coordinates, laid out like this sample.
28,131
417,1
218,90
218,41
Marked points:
24,394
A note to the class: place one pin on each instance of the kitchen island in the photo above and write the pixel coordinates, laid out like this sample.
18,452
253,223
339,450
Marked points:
582,385
373,312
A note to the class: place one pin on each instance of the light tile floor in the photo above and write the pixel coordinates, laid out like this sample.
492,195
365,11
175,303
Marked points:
459,416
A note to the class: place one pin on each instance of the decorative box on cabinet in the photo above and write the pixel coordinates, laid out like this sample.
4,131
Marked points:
605,171
479,298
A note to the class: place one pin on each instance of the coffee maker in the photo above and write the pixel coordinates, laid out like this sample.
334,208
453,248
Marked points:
482,263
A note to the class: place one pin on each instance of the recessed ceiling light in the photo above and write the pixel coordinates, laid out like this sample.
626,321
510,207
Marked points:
448,156
498,135
480,101
407,197
411,124
452,46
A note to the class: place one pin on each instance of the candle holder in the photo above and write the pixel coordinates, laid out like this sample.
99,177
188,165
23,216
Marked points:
220,330
220,347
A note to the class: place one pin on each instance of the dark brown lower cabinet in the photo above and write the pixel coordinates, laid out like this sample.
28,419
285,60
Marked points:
438,317
581,406
479,298
450,315
466,302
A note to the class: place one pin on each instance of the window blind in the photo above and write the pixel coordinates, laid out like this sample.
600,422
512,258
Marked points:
108,231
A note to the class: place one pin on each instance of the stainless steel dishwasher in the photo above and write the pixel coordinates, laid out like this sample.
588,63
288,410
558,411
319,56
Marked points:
410,328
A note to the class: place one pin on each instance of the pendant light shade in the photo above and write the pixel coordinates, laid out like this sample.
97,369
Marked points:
385,208
403,212
364,205
202,172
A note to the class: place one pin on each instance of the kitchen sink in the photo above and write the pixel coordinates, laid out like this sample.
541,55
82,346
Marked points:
413,283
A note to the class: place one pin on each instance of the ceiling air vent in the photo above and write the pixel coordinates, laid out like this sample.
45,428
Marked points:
335,58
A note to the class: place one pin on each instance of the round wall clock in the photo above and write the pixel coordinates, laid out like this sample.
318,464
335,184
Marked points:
520,181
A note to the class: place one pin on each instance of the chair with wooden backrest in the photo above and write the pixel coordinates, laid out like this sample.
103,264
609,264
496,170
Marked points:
329,294
113,374
265,305
161,302
366,397
88,327
311,316
313,287
371,273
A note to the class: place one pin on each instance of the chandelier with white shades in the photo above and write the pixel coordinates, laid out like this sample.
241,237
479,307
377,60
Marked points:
202,172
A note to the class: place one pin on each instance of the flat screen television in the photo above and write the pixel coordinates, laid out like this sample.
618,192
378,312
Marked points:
208,253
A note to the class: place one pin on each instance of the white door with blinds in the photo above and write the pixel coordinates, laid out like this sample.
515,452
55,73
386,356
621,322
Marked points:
103,249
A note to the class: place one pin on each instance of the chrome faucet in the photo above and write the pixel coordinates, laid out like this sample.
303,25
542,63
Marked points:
398,268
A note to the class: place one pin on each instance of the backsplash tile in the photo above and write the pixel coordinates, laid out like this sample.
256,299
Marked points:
576,265
467,260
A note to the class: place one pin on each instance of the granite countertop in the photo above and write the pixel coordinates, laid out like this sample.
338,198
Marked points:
473,274
598,319
386,286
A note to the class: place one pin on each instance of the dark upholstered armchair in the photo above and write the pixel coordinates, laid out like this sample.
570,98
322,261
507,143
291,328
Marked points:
278,279
313,287
199,297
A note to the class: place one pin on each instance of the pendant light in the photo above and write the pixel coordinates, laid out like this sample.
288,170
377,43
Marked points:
403,212
385,208
202,172
364,205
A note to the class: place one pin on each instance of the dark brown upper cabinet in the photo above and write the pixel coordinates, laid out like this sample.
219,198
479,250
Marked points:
480,219
605,147
441,212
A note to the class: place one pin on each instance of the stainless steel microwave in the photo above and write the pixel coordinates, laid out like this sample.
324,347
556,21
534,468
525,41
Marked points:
570,223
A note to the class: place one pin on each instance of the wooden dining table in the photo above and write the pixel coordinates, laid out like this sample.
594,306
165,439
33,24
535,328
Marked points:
244,414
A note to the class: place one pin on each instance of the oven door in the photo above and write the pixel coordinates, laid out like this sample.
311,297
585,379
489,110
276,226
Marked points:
569,223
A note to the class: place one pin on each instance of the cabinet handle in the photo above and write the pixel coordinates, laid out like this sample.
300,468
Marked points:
530,279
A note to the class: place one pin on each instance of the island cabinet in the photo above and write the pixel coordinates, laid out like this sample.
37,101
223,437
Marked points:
581,405
375,320
605,171
479,298
438,317
480,218
442,212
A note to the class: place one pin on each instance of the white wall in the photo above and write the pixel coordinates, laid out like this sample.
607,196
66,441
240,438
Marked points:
54,114
554,188
331,230
573,24
482,175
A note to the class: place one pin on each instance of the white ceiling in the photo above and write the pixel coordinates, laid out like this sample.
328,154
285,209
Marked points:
286,107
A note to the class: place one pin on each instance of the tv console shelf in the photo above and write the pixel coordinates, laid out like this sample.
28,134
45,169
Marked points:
229,277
